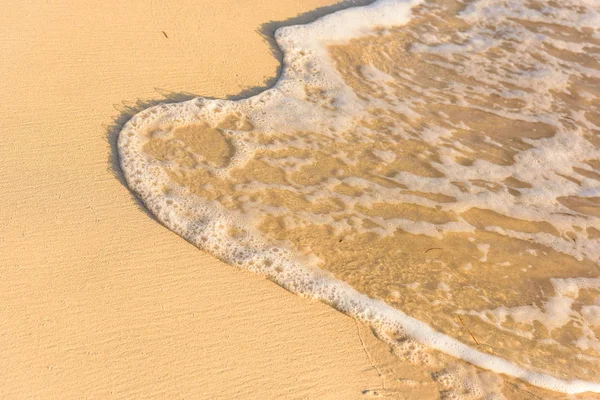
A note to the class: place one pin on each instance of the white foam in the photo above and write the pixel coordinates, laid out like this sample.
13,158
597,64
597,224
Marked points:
205,223
555,313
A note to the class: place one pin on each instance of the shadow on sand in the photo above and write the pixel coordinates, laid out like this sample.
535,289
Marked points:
127,109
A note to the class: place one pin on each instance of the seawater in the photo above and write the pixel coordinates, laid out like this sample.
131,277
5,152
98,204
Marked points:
430,168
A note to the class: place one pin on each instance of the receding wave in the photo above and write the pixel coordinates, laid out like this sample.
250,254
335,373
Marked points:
431,168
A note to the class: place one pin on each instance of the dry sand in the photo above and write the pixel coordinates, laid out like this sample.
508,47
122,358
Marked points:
97,300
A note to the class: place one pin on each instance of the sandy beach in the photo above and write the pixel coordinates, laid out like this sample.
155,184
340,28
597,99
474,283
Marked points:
97,298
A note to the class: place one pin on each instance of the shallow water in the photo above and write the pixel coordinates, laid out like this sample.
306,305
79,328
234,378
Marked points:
446,162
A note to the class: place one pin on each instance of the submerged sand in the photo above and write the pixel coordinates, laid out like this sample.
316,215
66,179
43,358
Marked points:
441,191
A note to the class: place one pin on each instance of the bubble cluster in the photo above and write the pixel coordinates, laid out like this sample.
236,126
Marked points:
423,176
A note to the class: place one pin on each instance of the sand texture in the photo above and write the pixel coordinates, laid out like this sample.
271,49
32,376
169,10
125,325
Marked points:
97,300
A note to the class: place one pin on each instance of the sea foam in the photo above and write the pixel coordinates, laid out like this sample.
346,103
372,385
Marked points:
245,180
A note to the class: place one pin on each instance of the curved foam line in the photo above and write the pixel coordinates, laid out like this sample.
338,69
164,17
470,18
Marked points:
142,177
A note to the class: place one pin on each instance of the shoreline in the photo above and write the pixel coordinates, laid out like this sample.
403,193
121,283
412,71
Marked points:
99,300
142,180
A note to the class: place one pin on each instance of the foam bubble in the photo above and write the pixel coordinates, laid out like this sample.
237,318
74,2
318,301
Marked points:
380,151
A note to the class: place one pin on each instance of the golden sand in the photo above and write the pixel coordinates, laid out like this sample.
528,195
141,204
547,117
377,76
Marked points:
99,300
